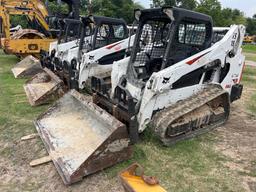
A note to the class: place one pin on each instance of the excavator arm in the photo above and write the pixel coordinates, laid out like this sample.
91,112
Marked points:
34,10
39,36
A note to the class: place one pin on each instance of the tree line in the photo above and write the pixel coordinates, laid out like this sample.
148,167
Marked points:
222,17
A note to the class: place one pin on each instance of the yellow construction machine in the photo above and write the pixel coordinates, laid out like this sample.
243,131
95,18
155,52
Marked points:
36,37
25,41
248,39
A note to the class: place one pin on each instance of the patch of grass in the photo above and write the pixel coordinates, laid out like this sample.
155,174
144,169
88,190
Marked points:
251,170
249,71
190,165
249,48
252,105
16,115
250,57
249,76
249,79
6,151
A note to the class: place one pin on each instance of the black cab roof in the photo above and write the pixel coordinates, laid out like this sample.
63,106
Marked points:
177,13
101,19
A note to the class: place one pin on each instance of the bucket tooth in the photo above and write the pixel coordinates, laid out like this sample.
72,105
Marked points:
28,67
82,138
43,88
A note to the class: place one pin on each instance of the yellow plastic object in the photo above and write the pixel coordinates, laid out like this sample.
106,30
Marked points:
134,183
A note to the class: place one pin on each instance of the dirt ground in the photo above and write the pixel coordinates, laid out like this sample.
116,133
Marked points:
17,175
236,140
251,61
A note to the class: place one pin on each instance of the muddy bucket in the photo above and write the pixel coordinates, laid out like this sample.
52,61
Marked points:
81,138
43,88
28,67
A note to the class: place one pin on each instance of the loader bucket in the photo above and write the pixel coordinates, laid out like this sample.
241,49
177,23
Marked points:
43,88
28,67
82,138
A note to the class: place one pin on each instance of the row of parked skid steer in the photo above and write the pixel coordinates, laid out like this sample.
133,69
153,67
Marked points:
176,75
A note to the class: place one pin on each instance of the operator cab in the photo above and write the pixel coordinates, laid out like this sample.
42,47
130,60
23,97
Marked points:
69,9
106,31
97,32
71,30
166,36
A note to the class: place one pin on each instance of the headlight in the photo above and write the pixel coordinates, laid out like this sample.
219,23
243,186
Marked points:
57,62
66,65
53,52
73,64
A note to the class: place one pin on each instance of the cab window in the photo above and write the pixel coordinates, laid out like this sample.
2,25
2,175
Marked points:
119,31
192,34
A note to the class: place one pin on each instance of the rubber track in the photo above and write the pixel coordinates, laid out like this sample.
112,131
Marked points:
164,118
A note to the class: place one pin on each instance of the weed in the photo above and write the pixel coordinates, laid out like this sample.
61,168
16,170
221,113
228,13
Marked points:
249,48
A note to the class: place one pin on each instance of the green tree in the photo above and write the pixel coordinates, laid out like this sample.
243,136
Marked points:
232,16
187,4
212,8
112,8
56,7
124,9
251,26
238,17
159,3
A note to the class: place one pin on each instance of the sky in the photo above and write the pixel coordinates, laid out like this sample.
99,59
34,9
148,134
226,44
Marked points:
247,6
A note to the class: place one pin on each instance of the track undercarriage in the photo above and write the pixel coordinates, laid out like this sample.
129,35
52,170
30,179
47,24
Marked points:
193,116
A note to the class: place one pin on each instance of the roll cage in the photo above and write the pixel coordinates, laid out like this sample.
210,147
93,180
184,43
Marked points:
70,30
104,32
164,37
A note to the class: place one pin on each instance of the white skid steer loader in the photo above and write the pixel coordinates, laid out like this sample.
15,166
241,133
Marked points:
175,80
30,65
68,38
101,46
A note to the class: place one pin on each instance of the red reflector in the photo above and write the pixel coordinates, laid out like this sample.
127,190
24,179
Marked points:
192,61
113,45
